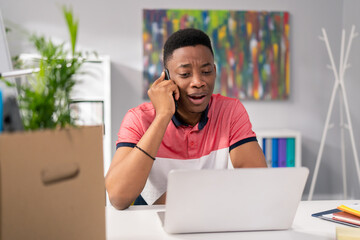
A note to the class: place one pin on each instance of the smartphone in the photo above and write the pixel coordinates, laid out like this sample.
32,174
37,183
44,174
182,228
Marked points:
167,77
167,74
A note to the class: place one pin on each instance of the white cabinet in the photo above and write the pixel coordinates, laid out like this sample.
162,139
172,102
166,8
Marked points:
282,147
91,99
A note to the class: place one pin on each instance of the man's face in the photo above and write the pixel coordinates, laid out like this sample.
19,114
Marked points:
193,70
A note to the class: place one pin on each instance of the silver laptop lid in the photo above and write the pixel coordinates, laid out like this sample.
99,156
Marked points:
233,200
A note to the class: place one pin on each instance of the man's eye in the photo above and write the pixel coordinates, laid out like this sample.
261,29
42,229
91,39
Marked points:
184,75
207,72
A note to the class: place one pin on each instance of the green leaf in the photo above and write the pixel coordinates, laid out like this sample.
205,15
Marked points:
72,26
7,82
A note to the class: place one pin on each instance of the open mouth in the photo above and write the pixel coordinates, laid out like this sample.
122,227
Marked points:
197,98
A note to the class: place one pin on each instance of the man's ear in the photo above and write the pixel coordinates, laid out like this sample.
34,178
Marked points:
215,67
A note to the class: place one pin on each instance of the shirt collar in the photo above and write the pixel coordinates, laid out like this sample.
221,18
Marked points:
202,123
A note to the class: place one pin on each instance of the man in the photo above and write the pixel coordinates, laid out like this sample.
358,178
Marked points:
201,130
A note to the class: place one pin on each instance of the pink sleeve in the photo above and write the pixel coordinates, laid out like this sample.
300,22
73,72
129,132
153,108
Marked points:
240,125
131,129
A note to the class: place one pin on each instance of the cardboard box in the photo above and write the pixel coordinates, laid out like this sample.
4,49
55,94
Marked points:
52,185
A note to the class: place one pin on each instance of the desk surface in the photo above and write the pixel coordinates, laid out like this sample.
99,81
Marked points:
142,222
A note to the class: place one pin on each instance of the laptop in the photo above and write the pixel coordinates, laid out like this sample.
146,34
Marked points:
248,199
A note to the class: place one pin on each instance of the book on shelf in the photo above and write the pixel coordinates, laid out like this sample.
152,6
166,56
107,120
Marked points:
275,152
282,152
264,147
268,153
290,152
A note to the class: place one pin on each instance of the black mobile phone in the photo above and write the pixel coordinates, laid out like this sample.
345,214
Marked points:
167,74
167,77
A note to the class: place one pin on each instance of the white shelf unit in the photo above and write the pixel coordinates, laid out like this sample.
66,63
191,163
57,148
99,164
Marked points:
281,133
93,87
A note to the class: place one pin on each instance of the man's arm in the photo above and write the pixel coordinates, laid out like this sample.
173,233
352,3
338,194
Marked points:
248,155
130,167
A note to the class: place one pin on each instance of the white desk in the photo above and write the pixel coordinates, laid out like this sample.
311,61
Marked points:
142,222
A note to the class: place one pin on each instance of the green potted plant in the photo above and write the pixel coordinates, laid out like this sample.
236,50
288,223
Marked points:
45,97
52,182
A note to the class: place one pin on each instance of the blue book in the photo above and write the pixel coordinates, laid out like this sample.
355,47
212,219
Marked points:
290,152
282,152
264,146
275,155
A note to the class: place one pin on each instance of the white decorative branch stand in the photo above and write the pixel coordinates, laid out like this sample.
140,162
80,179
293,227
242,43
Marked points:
339,86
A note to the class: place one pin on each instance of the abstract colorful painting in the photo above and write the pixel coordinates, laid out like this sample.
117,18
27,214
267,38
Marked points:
251,48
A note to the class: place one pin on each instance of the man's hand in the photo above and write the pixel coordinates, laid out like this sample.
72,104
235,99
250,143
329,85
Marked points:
161,95
130,167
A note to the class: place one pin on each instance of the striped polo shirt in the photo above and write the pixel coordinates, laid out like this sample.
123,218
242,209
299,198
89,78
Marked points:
223,126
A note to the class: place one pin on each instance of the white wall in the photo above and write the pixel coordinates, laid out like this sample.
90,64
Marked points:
352,81
115,27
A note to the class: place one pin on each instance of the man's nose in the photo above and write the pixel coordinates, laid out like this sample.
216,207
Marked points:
197,81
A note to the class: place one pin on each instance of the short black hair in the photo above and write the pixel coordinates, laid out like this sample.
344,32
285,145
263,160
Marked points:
183,38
